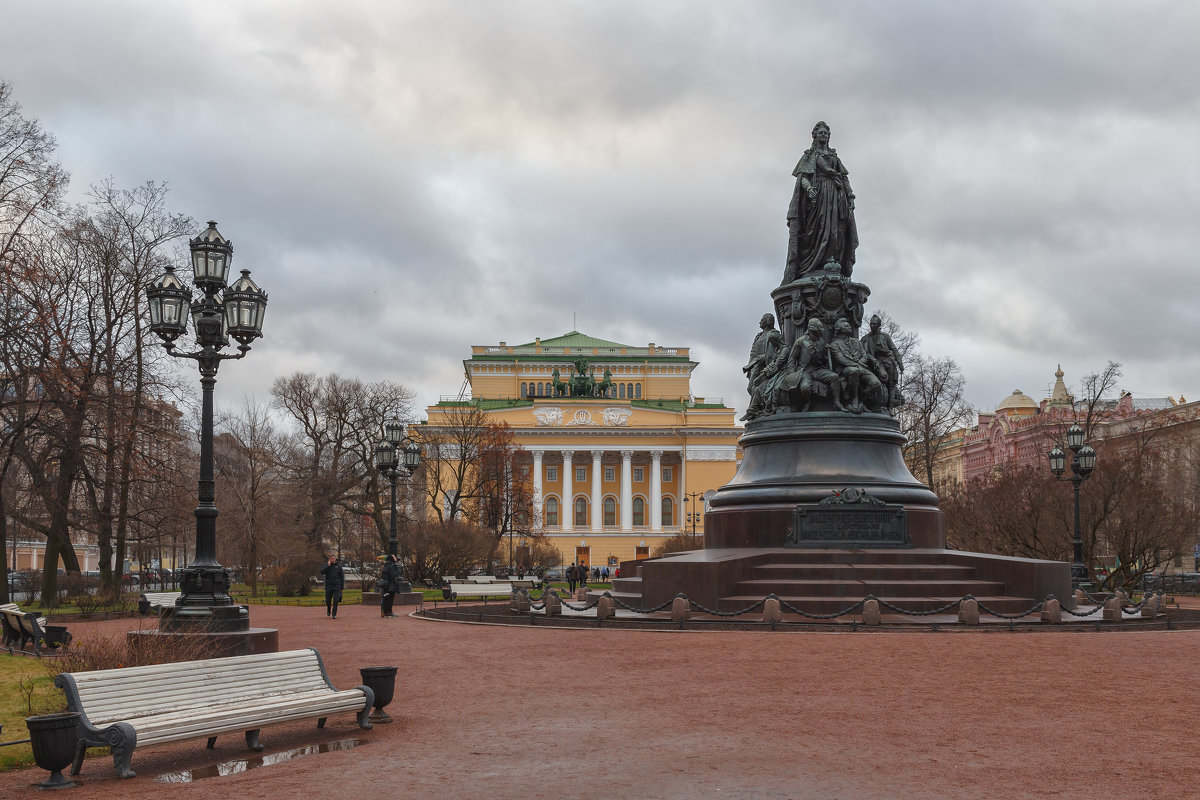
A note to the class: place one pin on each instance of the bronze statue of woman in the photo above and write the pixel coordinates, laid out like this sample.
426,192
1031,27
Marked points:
820,219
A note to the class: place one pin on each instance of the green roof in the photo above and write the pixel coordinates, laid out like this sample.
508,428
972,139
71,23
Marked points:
575,339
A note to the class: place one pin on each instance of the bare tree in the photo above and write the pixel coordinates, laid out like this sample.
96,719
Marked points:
247,458
934,408
338,423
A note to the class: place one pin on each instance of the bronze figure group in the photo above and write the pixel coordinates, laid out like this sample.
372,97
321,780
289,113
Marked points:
825,366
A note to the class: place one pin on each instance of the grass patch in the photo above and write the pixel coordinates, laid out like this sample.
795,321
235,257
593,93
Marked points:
26,688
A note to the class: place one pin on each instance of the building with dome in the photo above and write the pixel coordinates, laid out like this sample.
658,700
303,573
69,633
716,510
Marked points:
1022,430
618,469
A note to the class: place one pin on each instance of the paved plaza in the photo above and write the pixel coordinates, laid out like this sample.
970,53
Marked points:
533,712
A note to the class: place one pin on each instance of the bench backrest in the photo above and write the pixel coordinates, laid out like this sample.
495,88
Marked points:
110,695
9,607
162,598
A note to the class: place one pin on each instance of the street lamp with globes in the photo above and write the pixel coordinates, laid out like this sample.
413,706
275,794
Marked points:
395,453
1083,461
223,311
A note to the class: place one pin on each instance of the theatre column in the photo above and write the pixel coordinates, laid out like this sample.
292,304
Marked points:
537,488
568,498
626,490
597,490
656,490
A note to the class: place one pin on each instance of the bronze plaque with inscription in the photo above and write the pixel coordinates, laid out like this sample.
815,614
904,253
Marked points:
822,525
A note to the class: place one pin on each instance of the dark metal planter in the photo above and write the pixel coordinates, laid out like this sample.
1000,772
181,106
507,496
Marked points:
53,738
382,681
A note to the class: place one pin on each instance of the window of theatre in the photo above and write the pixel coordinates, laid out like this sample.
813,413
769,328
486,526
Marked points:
639,511
639,474
552,474
581,474
610,511
551,511
580,511
610,474
668,511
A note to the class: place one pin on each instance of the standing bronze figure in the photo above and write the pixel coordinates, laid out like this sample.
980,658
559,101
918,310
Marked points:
822,234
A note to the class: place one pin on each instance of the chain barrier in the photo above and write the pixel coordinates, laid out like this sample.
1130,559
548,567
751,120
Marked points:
848,610
1034,609
540,605
913,613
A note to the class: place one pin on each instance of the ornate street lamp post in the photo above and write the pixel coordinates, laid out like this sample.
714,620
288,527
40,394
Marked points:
694,516
1083,461
223,311
396,453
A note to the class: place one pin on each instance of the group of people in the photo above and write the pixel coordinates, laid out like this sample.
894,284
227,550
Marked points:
856,375
577,575
334,578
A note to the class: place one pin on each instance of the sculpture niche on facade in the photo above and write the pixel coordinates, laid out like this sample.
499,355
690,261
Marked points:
815,362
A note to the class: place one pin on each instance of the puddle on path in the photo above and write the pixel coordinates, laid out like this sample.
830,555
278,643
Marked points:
243,764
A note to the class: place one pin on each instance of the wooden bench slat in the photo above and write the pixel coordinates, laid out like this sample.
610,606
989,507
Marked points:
229,662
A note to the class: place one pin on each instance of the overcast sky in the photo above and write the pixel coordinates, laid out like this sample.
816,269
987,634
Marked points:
407,179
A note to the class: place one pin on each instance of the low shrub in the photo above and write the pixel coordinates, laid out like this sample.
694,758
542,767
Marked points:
292,583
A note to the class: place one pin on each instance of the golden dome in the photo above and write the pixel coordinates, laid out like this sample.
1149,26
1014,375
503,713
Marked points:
1018,403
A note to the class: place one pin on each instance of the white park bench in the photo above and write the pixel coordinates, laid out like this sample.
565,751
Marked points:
137,706
462,591
155,601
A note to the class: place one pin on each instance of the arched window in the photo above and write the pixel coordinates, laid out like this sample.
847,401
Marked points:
639,511
610,511
668,508
581,512
524,389
638,391
622,387
551,511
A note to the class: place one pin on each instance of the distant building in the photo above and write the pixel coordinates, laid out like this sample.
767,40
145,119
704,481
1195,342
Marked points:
1021,430
612,474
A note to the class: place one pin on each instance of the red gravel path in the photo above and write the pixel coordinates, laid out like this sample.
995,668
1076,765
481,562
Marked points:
497,712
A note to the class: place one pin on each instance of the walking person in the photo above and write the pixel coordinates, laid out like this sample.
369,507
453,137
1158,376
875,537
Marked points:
335,581
572,577
389,584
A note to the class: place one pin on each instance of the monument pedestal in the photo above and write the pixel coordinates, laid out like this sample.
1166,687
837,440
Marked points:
225,629
791,459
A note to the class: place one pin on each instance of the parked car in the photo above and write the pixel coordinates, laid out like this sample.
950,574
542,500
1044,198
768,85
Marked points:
553,575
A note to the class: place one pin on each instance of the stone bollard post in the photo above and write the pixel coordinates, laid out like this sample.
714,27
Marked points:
870,613
681,609
523,602
581,594
512,599
968,611
772,611
1081,597
1150,605
1052,612
606,608
1112,609
553,603
1122,595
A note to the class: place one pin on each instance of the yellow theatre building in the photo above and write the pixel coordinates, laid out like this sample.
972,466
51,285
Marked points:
618,470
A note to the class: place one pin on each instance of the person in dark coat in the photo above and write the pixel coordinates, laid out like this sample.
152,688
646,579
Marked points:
335,581
572,577
389,584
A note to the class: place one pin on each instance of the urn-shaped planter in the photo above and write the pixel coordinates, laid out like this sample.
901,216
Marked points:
382,681
53,738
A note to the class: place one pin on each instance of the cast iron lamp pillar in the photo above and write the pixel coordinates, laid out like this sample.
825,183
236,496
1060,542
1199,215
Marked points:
1083,461
223,311
387,462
